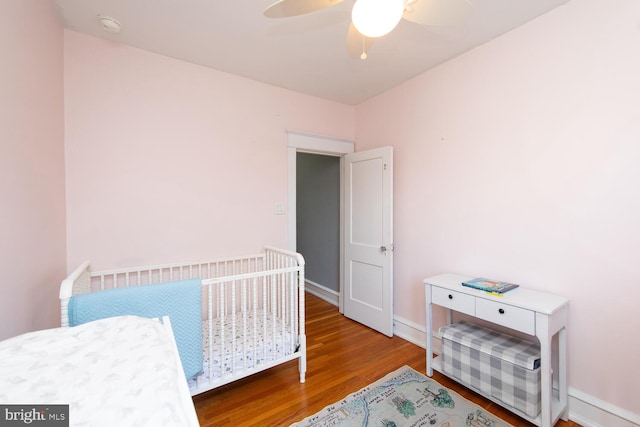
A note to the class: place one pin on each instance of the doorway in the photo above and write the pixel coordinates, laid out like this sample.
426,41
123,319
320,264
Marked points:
322,147
318,222
366,217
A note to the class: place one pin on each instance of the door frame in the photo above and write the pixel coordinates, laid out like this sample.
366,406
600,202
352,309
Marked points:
315,144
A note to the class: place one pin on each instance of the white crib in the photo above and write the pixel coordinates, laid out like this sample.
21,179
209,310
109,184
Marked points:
252,309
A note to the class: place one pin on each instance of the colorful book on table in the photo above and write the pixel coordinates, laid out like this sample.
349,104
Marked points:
487,285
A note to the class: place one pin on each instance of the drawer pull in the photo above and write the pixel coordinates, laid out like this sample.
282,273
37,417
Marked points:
501,310
450,296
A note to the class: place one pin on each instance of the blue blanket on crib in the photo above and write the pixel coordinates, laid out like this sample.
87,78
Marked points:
180,300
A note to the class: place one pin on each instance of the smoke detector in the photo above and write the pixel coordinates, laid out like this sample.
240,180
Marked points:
109,24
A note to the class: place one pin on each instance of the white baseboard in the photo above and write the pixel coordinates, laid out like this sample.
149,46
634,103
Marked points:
584,409
322,292
412,332
590,411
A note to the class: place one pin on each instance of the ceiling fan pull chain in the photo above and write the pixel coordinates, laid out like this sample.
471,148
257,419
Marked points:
364,54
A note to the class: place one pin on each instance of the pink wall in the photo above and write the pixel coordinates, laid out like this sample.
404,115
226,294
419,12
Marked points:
167,160
520,161
32,197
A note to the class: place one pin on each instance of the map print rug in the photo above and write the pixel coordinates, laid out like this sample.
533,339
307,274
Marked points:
403,398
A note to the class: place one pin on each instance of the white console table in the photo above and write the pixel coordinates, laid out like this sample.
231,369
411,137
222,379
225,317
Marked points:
535,313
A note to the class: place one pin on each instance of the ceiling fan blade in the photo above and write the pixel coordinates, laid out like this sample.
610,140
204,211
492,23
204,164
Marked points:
287,8
437,12
357,44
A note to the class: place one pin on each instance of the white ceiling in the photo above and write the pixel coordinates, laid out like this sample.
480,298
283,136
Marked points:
307,53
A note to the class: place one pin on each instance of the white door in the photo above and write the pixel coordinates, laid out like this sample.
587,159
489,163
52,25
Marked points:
368,265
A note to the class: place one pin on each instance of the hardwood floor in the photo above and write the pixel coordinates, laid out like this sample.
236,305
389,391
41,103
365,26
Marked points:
342,357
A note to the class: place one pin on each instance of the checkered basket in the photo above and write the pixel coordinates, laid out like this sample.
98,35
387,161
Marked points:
497,364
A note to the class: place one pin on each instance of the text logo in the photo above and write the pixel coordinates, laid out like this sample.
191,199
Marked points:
34,415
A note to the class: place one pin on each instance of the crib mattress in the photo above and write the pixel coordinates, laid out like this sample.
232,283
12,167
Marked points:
263,341
117,371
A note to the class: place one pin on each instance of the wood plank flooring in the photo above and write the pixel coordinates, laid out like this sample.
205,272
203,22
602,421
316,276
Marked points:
342,357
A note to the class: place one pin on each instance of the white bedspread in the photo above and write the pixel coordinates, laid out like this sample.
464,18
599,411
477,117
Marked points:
121,371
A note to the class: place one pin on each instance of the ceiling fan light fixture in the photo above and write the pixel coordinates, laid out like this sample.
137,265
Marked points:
375,18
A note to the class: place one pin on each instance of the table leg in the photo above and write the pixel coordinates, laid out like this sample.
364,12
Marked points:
543,334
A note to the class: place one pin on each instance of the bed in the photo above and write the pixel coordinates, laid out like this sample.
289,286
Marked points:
121,370
231,317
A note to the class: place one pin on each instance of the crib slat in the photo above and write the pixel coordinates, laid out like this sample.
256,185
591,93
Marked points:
233,326
254,314
210,325
243,310
222,316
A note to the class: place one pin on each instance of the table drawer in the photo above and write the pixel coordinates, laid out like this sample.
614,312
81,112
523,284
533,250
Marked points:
454,300
507,315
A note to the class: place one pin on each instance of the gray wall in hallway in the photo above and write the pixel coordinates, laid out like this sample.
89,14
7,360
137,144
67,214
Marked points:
318,217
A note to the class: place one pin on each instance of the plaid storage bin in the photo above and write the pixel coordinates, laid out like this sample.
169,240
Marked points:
496,364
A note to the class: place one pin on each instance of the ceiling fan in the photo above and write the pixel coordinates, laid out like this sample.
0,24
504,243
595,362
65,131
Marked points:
375,18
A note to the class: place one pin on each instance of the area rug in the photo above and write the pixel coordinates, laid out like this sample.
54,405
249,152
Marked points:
403,398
